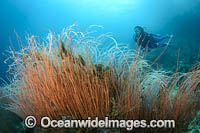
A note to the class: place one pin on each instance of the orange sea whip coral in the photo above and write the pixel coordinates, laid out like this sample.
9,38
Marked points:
69,77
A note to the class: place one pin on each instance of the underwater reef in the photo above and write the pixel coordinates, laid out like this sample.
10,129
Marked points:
73,75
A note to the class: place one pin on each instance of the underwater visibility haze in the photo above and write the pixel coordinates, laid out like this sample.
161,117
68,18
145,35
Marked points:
80,58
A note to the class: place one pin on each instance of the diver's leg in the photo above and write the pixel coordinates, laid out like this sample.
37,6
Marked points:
157,45
159,39
153,45
162,45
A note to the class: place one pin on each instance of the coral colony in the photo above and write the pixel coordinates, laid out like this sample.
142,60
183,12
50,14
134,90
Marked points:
70,76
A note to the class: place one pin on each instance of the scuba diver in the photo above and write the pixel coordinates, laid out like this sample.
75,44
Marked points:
147,41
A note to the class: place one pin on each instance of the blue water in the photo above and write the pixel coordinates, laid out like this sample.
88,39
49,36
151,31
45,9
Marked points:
178,17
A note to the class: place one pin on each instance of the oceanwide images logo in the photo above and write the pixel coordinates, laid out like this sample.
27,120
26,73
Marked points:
46,122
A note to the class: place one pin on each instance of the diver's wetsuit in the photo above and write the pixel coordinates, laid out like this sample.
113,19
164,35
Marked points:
148,40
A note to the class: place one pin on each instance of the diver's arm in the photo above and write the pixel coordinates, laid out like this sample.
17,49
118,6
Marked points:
135,38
